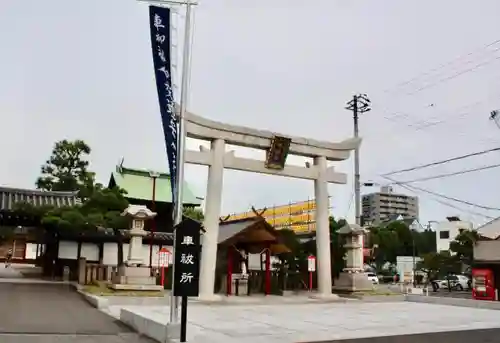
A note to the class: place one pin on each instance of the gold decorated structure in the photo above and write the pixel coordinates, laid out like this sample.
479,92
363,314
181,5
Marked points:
299,217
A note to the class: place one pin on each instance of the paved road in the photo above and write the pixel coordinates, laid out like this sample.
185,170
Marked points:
55,313
475,336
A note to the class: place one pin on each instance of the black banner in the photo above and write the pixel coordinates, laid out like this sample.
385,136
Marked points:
187,258
159,22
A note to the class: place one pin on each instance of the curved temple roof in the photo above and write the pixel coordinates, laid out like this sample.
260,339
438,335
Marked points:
10,196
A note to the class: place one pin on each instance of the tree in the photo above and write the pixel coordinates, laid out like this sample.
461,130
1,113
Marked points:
388,245
425,242
463,246
6,234
432,263
337,249
67,168
102,208
397,239
193,213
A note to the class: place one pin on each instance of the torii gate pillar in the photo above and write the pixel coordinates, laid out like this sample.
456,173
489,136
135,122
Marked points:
213,201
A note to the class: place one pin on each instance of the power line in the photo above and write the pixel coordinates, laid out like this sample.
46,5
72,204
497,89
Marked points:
446,197
440,118
349,205
450,205
441,66
464,110
442,176
457,158
494,115
451,77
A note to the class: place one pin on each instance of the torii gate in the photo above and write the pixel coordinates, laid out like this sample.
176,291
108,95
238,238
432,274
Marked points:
278,147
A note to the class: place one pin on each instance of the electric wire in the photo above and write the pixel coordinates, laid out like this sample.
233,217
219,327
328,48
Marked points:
454,76
446,175
456,158
489,208
448,204
440,67
351,200
462,113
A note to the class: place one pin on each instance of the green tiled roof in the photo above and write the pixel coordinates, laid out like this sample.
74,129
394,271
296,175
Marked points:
139,185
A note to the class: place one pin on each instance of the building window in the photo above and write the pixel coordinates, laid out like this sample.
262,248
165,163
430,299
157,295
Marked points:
444,234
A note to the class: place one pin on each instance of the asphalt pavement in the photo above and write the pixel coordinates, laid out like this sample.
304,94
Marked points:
470,336
55,313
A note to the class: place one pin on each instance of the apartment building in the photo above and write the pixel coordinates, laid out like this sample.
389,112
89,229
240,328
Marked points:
385,204
448,230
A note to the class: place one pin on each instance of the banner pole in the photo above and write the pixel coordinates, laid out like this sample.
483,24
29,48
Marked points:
162,276
174,302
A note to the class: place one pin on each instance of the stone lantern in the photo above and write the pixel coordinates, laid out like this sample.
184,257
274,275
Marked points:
353,278
138,215
133,275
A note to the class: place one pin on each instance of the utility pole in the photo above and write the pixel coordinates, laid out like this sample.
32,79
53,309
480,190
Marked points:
358,105
495,116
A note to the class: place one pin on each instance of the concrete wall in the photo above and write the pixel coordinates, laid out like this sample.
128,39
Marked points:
69,250
487,251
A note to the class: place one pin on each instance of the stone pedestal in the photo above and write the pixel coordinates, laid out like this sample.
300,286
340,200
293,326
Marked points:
352,282
240,284
135,278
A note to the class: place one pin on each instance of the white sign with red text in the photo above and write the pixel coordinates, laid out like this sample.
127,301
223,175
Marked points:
164,257
311,263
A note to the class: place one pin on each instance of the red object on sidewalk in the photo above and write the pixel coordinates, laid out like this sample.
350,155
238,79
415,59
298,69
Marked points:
163,276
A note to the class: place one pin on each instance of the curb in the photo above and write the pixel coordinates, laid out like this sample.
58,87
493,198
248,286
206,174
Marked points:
99,303
144,326
459,302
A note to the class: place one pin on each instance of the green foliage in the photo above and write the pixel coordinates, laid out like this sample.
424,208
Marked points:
397,239
6,234
444,263
337,249
297,257
296,261
193,213
67,169
434,264
103,208
29,209
463,245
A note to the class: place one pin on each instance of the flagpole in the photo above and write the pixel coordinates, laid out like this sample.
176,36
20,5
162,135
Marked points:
186,63
181,140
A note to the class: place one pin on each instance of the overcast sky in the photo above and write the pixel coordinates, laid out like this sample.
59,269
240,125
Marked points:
83,69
